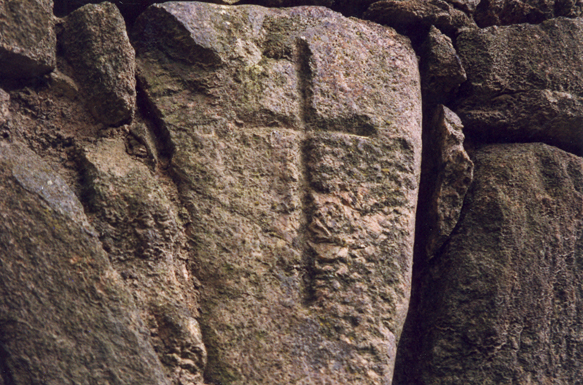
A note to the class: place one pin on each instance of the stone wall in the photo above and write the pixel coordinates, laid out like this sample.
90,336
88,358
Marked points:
337,192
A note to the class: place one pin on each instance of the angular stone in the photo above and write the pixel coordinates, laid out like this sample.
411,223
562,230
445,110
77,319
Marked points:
441,68
66,316
506,12
300,172
96,44
454,172
414,17
141,231
28,43
63,85
502,303
524,83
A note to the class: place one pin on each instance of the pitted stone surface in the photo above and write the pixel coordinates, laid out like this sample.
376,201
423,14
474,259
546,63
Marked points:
441,69
143,235
502,302
28,44
296,140
507,12
453,171
97,46
66,316
525,83
414,17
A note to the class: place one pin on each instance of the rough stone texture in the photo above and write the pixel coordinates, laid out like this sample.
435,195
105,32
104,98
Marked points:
346,7
502,304
506,12
134,207
453,171
468,6
4,107
27,39
414,17
441,68
142,233
96,45
65,316
300,172
259,207
131,9
525,83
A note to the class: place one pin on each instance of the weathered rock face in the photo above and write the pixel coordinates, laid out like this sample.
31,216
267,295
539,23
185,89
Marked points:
502,303
506,12
451,172
96,45
65,316
441,68
468,6
300,172
141,231
414,17
524,83
252,219
27,38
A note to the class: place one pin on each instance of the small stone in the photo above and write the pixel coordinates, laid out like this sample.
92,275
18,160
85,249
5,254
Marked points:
96,45
342,270
63,85
441,68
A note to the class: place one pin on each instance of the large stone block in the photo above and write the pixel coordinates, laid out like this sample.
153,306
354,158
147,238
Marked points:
66,316
506,12
28,44
97,46
524,83
415,17
296,142
502,303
